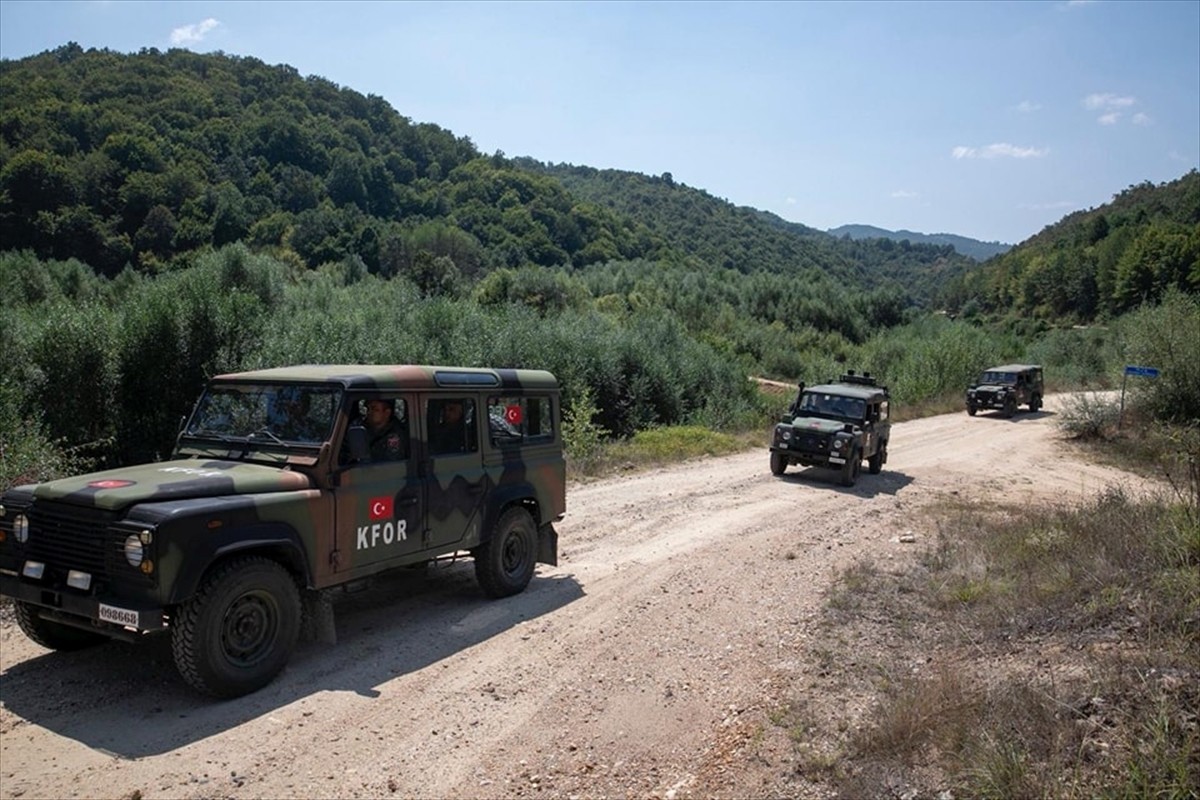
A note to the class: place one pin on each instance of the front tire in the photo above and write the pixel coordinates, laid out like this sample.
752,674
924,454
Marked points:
778,463
53,635
504,563
236,634
851,468
971,410
875,463
1010,407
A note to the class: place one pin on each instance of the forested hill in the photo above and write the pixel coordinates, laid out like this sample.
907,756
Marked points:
694,222
139,159
1094,264
135,159
973,248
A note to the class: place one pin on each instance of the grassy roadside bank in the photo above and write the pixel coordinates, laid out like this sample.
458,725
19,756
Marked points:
1031,651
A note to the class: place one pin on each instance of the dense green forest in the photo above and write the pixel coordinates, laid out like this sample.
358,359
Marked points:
168,216
1096,264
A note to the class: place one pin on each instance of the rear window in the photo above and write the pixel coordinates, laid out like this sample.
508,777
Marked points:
519,420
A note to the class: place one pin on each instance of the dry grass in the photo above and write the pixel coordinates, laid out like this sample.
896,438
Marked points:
1031,652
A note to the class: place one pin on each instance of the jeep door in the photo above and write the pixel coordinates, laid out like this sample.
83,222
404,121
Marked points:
452,468
379,501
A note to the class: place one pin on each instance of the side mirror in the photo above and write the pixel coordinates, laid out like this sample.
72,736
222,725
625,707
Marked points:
356,439
786,418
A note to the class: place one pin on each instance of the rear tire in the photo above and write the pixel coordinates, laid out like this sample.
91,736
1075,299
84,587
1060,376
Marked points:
1035,402
53,635
778,464
504,564
236,634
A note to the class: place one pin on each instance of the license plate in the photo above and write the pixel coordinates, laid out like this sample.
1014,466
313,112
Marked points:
836,460
120,616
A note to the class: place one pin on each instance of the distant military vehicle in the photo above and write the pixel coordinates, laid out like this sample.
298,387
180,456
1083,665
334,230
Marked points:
1007,387
285,486
835,425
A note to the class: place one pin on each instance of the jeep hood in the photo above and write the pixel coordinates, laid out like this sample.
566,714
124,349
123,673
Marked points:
819,424
116,489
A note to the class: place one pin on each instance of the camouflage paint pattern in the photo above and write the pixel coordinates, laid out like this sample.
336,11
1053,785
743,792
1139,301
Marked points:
327,523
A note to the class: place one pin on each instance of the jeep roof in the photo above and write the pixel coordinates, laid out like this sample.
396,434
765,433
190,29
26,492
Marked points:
862,387
399,376
1014,368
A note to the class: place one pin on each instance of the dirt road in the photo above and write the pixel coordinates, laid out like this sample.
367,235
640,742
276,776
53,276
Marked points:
639,667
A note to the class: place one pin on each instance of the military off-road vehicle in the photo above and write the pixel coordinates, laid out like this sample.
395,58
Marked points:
286,486
835,425
1006,387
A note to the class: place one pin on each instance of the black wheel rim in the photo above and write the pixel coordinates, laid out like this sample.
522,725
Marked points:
250,628
514,553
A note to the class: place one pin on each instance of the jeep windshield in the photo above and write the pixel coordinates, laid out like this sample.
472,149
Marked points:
279,415
832,405
999,378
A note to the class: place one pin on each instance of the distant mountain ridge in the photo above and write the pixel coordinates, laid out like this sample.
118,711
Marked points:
972,248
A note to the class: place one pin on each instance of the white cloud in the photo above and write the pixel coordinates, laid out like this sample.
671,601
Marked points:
1112,107
189,34
1027,107
999,150
1141,119
1107,101
904,193
791,201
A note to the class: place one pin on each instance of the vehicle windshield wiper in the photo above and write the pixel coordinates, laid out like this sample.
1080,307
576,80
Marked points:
268,434
220,437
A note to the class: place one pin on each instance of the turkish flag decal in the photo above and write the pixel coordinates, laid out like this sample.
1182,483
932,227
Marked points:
513,415
381,508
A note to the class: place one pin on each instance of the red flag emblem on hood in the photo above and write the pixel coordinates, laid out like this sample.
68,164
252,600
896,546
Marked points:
381,508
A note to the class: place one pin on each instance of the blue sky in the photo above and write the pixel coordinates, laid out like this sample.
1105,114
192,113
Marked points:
988,120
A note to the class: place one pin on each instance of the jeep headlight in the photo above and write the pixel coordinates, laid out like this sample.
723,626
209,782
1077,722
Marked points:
135,551
838,443
21,528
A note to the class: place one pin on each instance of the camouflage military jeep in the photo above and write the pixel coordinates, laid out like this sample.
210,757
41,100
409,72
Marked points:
1005,388
286,486
835,425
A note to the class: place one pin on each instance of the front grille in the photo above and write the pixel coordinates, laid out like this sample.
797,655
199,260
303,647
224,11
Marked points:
811,443
66,537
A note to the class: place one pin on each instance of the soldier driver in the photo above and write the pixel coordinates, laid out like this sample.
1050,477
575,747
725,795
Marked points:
388,440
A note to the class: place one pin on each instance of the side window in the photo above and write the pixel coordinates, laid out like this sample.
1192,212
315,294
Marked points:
386,424
451,425
519,420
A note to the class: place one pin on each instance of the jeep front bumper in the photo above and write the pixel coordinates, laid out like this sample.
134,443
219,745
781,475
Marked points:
108,615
